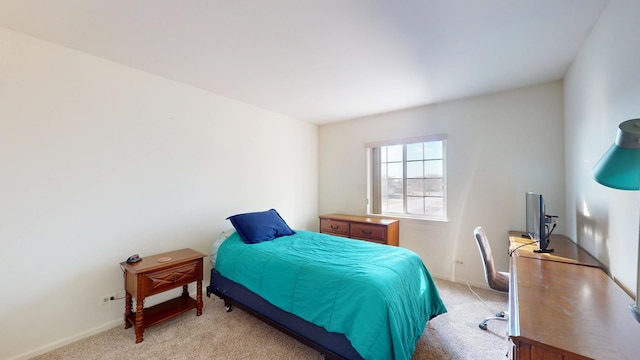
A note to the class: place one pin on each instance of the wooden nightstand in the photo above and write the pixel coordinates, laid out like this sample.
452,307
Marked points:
374,229
158,273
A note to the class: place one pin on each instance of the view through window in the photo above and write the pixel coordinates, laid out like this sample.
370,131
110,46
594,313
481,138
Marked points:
407,177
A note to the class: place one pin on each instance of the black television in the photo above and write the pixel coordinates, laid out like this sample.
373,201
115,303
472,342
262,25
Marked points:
537,221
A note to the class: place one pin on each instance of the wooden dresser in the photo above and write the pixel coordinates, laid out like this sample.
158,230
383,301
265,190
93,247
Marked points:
380,230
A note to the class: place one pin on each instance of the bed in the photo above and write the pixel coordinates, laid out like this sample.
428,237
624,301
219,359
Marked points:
348,299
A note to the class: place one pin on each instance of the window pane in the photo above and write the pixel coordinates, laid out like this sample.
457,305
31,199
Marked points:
433,169
414,169
415,205
393,205
434,206
394,170
414,151
394,188
415,187
433,187
433,150
394,153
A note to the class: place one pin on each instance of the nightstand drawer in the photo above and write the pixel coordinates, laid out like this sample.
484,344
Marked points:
369,232
334,227
163,280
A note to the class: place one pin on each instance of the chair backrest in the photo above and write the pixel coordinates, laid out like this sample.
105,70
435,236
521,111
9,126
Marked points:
494,280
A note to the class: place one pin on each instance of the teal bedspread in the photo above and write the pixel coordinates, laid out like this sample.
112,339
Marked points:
379,296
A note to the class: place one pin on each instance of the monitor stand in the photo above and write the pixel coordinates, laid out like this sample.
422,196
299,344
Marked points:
543,251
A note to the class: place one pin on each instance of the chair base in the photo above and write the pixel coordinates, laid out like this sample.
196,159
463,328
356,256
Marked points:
502,316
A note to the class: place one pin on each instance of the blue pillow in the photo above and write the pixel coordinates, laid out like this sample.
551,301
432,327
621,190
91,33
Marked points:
256,227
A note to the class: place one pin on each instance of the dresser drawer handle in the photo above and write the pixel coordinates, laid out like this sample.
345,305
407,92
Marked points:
368,233
175,278
334,227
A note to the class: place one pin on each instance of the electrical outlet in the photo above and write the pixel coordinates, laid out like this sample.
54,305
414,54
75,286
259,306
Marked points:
107,298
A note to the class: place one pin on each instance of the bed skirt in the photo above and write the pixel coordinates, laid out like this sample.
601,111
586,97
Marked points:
332,345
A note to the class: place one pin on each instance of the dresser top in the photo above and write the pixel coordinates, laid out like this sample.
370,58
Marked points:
360,218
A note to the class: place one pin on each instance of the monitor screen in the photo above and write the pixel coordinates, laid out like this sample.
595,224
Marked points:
536,219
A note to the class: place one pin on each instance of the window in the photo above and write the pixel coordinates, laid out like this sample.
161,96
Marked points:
407,178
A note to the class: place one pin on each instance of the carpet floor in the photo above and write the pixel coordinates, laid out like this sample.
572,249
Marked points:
237,335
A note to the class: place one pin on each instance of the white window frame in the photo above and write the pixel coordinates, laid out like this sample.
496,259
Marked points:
373,181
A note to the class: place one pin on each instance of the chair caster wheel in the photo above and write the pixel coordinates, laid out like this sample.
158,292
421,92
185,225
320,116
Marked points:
483,326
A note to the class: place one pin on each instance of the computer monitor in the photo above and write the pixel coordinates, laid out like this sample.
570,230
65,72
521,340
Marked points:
537,221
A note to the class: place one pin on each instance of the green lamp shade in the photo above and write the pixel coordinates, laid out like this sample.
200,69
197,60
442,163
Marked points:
619,168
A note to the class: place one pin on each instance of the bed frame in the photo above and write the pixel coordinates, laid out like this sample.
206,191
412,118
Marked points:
331,345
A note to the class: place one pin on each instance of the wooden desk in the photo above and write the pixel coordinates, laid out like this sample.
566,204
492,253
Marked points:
565,308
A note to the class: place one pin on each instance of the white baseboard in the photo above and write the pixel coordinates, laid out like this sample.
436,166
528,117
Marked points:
79,336
62,342
482,285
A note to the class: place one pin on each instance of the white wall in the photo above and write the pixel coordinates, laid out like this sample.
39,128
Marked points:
99,161
499,147
602,89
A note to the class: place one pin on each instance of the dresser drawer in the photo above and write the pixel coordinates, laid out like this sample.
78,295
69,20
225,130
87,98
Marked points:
376,229
163,280
334,227
369,232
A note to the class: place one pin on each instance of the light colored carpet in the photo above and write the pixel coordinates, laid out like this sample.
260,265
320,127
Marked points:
237,335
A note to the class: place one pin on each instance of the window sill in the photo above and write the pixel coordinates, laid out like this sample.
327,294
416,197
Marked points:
410,218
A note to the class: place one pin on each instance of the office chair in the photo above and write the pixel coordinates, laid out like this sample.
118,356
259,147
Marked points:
496,280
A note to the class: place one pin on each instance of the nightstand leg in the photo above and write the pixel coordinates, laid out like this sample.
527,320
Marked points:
198,298
139,320
127,309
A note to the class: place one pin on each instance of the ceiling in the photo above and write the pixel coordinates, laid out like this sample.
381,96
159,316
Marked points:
323,60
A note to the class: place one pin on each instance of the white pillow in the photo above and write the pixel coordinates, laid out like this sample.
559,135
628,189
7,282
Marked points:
216,244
